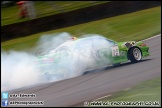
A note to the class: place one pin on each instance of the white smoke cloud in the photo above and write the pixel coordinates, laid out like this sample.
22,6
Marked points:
17,70
48,42
70,59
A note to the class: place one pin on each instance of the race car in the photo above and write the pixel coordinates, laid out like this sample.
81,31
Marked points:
90,53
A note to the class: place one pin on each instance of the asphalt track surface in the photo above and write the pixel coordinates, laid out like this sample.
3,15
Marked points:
93,85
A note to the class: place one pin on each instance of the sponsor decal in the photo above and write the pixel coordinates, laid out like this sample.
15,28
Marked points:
122,53
115,51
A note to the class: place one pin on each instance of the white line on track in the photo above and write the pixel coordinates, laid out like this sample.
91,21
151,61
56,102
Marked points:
102,97
128,88
151,37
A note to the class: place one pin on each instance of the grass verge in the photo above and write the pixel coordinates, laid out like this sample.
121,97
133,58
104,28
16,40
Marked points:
148,91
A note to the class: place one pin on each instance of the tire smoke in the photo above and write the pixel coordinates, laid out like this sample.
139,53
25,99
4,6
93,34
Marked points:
55,57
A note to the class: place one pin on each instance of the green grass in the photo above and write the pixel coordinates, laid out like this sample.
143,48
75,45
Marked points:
134,26
147,91
10,15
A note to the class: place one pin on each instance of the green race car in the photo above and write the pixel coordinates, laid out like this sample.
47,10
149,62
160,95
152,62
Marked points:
84,54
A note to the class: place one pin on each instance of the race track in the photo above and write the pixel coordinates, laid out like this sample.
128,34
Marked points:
93,85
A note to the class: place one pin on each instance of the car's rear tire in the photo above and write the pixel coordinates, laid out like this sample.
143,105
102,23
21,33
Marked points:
135,54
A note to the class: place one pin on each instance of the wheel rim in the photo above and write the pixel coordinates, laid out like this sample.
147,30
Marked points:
137,54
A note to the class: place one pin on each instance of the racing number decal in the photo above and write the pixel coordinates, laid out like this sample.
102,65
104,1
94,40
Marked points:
115,51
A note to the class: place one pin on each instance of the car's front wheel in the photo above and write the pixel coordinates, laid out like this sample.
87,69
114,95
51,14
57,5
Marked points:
135,54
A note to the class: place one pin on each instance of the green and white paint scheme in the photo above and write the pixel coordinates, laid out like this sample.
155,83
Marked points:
91,53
